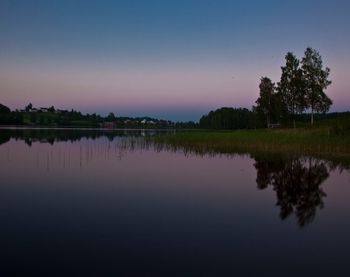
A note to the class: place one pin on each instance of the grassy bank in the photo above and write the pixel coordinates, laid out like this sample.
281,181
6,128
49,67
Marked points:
323,141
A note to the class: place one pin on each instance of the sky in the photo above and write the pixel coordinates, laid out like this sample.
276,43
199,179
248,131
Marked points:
174,60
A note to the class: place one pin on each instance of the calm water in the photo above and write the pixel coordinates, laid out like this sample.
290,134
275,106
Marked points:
108,204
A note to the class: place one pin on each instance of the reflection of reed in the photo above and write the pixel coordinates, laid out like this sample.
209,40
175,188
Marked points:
52,136
68,155
47,162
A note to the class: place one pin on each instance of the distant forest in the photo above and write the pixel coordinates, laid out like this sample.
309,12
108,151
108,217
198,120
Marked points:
51,117
224,118
240,118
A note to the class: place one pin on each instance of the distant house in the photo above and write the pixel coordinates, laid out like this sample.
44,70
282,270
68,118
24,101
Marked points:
148,122
108,125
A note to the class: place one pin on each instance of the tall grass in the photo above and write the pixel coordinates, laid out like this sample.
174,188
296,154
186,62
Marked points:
312,141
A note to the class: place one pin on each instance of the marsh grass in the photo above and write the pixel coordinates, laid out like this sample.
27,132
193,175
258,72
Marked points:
320,141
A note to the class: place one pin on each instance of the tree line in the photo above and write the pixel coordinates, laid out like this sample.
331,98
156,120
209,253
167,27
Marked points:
53,117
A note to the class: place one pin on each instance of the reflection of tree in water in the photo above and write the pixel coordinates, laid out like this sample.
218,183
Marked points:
297,185
51,135
4,138
295,181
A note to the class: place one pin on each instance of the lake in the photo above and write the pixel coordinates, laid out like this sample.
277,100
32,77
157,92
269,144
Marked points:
112,203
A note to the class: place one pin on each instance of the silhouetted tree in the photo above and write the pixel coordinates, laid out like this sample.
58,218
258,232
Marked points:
51,109
4,109
267,101
111,117
316,82
29,107
290,86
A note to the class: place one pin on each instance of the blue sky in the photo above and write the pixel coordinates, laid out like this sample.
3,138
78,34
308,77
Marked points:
170,59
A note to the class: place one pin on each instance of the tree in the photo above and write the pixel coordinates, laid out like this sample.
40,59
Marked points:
51,109
290,86
266,103
6,117
316,82
4,109
29,107
111,117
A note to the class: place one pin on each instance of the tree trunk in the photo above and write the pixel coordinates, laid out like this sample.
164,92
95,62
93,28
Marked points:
294,126
268,121
312,116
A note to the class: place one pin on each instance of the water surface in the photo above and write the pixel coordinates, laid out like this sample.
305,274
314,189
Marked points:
112,204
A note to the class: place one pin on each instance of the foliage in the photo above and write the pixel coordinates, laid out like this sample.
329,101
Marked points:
290,86
5,115
316,82
28,107
268,103
299,88
229,119
4,109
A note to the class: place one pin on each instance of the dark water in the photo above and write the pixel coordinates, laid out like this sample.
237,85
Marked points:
108,204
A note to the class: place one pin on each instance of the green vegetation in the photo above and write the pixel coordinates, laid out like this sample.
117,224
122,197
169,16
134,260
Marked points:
332,138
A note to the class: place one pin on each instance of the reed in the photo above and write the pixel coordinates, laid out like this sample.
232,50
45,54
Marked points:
315,141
